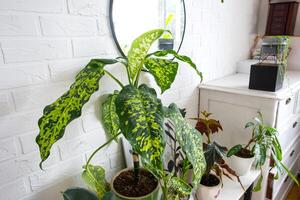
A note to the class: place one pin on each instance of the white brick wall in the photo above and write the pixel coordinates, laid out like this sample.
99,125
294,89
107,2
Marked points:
35,49
23,75
43,6
15,25
68,26
44,43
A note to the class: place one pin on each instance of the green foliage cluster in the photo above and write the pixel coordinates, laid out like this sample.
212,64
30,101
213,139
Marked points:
263,142
214,153
134,111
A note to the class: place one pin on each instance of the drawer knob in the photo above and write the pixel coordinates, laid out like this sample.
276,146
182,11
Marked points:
295,124
288,101
292,153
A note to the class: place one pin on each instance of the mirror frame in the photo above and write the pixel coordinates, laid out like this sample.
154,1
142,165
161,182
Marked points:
112,27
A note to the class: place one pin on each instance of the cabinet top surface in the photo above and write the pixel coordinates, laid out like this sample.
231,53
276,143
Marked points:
238,84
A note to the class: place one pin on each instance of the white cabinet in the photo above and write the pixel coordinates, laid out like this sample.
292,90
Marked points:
231,102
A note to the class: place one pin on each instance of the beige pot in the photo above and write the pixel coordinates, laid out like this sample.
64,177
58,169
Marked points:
208,193
240,165
151,196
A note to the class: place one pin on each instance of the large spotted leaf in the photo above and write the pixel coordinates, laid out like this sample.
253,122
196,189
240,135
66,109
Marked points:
163,70
59,114
109,115
139,49
94,177
179,187
141,121
190,141
182,58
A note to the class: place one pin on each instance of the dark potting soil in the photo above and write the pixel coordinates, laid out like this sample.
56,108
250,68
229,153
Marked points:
244,153
124,184
210,180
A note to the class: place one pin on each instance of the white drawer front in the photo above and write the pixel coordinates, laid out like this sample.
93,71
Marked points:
297,103
289,159
282,190
290,134
286,109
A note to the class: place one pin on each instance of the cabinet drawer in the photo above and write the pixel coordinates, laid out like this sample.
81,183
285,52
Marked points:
286,109
290,134
281,190
297,103
290,159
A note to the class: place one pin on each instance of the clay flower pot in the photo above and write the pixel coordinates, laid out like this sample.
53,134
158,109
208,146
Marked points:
152,195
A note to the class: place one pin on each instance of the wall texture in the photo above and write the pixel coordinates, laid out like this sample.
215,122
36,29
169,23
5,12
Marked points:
43,43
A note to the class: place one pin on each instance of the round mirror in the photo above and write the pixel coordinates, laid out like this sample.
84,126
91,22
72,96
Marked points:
131,18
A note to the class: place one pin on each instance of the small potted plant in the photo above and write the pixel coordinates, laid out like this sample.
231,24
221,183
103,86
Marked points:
263,140
137,114
269,76
211,182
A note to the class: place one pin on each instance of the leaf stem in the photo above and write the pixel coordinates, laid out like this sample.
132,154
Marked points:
128,74
137,79
99,148
114,78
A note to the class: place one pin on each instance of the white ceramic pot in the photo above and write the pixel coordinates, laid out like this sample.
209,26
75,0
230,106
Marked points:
240,165
208,193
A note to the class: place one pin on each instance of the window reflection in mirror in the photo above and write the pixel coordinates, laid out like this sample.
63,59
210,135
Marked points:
130,18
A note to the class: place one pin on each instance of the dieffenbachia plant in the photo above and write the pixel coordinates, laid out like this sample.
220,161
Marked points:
134,111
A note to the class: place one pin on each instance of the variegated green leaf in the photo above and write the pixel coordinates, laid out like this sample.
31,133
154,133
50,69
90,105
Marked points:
179,186
139,49
190,141
156,171
257,187
59,114
213,153
141,122
94,177
163,70
109,115
182,58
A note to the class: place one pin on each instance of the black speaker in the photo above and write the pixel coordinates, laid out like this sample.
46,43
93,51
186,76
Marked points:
266,77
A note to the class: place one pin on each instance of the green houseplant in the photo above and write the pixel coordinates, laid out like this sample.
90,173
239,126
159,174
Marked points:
135,112
263,140
211,181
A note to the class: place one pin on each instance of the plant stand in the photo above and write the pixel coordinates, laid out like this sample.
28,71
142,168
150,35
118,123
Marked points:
248,193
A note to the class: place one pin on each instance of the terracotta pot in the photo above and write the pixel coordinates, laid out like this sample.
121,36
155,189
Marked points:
240,165
151,196
204,192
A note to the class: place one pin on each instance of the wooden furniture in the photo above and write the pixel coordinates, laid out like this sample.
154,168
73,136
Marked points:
282,18
230,101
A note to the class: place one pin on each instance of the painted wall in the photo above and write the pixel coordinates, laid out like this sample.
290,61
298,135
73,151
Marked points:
43,43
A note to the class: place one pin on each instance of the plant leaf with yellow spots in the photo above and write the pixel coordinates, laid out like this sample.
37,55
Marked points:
139,49
163,70
94,177
190,141
59,114
141,122
179,186
109,115
182,58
